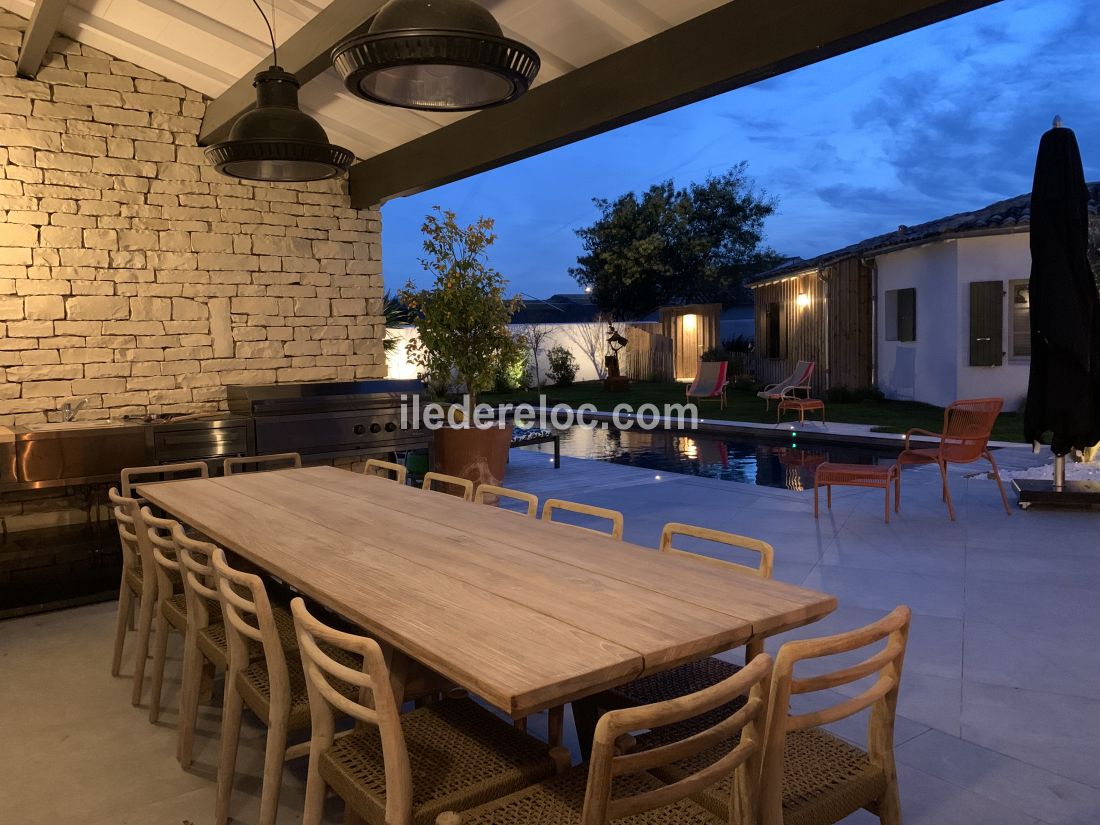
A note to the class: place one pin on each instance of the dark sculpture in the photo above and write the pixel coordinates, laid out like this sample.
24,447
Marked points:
615,342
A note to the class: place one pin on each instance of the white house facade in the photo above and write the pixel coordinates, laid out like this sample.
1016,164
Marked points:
970,307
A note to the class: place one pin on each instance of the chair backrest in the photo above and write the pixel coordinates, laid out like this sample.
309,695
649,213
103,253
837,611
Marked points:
736,738
881,697
126,513
383,469
376,703
486,491
614,516
801,375
710,378
464,484
200,585
272,461
132,476
968,425
163,551
761,548
246,609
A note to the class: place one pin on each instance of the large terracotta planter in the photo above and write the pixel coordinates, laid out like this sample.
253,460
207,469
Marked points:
479,455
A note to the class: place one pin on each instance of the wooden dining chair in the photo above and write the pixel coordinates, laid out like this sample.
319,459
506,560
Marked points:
205,645
383,469
256,463
396,769
263,675
139,579
464,484
623,788
809,776
132,476
491,494
171,603
698,675
553,505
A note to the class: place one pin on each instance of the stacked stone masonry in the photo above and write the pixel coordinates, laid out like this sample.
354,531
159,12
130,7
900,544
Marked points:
134,276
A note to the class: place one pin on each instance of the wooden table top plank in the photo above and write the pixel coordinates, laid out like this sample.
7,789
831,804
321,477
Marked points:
767,605
665,631
479,640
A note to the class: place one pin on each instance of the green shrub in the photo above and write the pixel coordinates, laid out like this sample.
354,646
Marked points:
511,374
738,344
563,367
715,354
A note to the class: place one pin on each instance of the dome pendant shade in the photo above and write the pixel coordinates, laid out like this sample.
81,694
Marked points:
277,141
438,55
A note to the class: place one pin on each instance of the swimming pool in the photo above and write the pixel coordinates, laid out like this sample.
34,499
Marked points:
782,462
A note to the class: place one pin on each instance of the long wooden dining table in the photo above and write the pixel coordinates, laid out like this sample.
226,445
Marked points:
526,614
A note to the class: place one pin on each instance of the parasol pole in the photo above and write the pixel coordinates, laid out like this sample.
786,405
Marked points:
1059,460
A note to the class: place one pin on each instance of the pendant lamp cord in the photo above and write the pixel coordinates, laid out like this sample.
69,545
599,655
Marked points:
270,29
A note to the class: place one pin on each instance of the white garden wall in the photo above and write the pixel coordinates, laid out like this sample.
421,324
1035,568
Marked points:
570,336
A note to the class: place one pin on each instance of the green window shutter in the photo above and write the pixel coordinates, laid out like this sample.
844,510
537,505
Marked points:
987,323
907,314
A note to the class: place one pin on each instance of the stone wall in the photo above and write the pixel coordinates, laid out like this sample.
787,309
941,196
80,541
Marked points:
134,276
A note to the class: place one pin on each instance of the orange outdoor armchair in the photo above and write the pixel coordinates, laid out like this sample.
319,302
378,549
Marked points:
967,428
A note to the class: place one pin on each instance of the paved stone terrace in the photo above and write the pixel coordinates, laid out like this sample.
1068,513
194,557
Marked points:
1000,707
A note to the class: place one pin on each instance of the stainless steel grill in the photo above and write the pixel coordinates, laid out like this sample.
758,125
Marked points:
323,421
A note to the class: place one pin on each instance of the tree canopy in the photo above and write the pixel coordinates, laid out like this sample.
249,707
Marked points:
692,245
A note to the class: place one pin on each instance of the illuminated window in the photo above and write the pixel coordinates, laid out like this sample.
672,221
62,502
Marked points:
1021,318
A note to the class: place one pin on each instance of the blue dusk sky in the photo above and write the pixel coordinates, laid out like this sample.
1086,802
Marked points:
941,120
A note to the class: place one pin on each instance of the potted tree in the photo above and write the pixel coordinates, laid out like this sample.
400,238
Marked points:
463,338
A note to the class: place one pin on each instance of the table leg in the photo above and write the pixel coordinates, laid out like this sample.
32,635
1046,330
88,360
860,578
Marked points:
586,714
398,664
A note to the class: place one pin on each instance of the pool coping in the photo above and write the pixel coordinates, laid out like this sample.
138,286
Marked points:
808,431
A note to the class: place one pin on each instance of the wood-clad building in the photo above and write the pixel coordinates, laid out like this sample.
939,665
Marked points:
694,329
819,313
927,313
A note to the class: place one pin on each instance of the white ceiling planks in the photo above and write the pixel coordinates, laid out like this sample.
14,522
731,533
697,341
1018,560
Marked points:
208,44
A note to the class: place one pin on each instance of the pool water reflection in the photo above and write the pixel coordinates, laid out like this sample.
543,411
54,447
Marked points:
782,462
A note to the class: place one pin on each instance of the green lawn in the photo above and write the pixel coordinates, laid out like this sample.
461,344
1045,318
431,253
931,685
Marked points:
885,416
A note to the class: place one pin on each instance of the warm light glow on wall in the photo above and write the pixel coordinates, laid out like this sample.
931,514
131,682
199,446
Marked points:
690,323
803,300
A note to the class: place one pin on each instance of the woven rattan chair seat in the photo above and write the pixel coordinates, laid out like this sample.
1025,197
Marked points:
135,578
461,756
824,778
255,686
214,643
679,681
560,800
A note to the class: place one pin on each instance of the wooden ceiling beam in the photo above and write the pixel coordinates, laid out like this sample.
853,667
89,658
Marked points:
736,44
305,54
43,25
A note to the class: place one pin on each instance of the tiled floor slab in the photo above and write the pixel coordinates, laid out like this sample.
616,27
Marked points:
1003,652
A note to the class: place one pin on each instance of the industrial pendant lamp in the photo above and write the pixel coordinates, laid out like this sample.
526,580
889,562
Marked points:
439,55
277,141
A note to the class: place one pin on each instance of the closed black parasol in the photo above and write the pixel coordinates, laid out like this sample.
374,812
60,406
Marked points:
1063,395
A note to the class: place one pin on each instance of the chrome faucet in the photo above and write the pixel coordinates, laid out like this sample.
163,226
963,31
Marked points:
69,411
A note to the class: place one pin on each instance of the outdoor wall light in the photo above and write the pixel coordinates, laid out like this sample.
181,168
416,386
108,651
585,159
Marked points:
438,55
277,141
802,301
691,322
